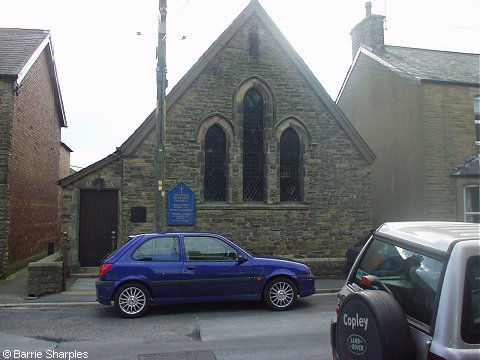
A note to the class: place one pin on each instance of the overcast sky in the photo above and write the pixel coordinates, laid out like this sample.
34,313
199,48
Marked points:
105,49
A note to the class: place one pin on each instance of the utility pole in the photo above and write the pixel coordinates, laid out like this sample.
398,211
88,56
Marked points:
160,117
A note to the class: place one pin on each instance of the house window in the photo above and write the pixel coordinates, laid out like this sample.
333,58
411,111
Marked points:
476,110
289,166
472,203
253,146
215,164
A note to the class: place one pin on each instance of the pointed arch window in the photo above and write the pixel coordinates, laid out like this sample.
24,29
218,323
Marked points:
253,42
289,166
253,172
215,164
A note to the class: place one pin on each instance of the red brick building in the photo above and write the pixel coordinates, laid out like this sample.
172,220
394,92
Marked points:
31,118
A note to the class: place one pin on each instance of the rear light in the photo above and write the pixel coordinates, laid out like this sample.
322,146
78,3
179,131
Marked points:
339,306
432,356
104,269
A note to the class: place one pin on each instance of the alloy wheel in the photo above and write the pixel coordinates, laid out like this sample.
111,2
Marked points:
132,300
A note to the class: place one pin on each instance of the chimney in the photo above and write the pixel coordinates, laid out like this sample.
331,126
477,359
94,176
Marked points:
368,8
369,32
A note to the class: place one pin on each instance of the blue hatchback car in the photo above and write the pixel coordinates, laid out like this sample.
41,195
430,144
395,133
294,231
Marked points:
171,268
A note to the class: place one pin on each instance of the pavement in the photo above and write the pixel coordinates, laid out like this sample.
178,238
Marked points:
80,290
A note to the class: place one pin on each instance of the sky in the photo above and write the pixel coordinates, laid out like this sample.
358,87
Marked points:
106,60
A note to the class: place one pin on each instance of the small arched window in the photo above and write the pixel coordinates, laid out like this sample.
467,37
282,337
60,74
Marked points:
253,146
253,42
289,166
215,164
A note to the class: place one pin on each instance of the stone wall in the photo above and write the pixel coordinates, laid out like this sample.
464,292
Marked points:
46,276
335,207
449,142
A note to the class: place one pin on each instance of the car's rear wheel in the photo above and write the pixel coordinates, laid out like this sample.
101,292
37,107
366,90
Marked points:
280,294
132,300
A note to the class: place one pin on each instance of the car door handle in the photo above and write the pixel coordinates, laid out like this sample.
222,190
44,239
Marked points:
191,267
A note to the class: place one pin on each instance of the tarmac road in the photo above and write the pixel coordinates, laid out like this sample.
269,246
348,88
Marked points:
208,331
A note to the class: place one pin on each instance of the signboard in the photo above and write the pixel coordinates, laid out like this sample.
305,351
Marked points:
181,205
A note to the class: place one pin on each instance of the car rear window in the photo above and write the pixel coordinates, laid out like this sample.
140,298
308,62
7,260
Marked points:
413,278
165,248
471,302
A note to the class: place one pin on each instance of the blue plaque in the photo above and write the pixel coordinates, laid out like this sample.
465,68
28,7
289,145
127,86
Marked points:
181,205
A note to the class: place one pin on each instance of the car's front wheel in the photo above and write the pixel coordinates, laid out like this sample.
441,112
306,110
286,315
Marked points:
132,300
280,294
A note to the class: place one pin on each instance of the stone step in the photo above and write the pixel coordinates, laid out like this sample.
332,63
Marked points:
86,272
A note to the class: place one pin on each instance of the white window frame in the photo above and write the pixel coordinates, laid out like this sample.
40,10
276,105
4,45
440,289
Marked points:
476,111
465,212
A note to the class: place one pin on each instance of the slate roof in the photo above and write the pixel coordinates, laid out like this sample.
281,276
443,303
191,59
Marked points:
434,65
469,168
17,46
19,49
423,65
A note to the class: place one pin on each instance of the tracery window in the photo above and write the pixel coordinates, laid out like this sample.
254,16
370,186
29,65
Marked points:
289,166
215,164
253,155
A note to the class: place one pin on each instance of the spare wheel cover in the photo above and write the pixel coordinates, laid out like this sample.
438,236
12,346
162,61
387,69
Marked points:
372,325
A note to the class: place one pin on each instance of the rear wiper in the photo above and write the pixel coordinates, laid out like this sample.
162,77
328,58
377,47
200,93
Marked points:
372,281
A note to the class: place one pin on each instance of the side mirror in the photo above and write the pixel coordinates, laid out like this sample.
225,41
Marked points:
241,259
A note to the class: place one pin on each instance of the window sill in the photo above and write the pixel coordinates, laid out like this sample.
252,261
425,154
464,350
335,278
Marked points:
253,206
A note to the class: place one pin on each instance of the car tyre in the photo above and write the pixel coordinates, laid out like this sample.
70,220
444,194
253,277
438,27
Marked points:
372,325
280,294
132,300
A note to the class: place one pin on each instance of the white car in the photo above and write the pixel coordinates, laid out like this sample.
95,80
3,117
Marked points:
412,293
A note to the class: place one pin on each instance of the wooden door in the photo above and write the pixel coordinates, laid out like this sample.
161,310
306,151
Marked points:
98,218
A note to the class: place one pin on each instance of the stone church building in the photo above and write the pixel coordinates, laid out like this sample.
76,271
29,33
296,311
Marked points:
273,163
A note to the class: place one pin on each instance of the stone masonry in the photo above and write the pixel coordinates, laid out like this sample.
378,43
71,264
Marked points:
335,209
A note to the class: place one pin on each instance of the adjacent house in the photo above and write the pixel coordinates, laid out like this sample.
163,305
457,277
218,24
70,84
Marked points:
31,118
419,111
271,160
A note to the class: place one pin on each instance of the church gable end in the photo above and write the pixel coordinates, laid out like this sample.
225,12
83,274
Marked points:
251,132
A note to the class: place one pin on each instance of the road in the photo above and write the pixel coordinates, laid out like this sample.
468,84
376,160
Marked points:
223,331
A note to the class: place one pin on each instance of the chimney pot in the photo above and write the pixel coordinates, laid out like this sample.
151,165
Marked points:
369,32
368,8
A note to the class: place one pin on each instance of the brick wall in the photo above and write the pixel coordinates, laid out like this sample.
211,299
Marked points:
64,161
34,165
6,113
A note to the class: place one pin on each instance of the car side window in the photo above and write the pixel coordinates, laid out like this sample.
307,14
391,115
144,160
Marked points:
158,249
471,302
206,248
413,278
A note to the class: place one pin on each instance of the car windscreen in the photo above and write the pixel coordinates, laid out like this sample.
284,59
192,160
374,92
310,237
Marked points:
413,278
